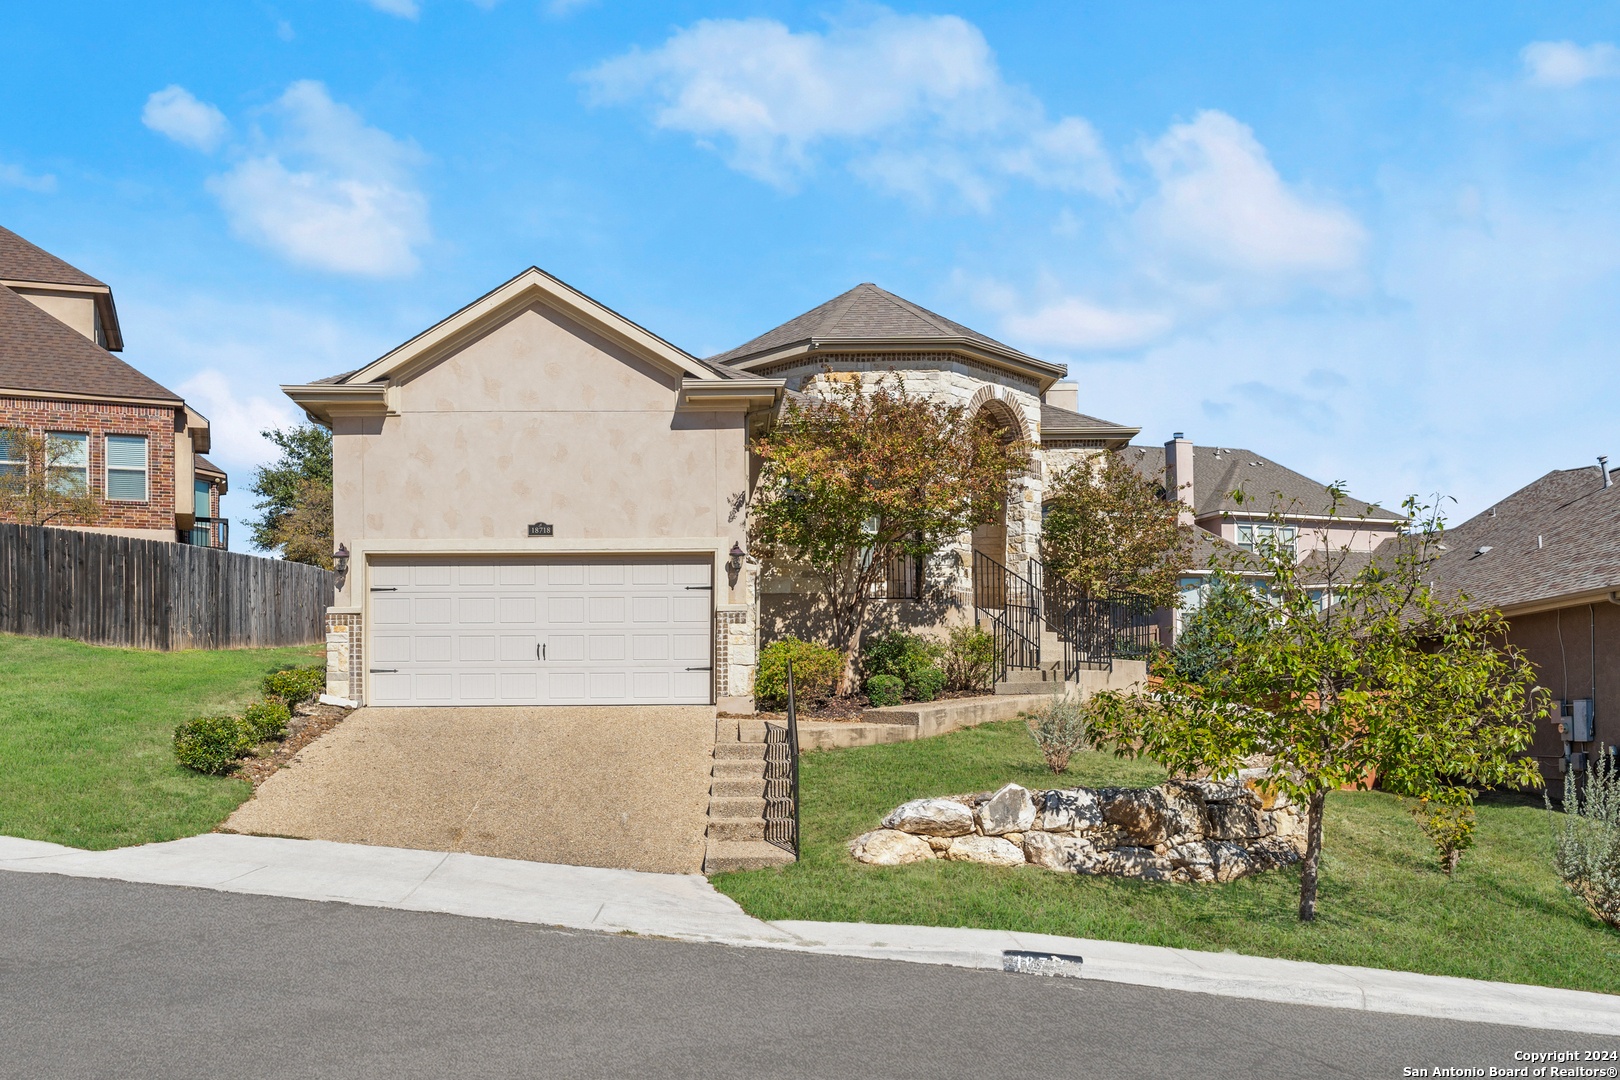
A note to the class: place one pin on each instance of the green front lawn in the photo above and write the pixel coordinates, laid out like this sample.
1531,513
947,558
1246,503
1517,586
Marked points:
1384,903
86,757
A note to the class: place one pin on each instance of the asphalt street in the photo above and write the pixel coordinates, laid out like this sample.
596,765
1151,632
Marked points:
110,979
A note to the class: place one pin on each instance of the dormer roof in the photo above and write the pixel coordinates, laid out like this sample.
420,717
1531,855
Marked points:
40,354
868,318
25,265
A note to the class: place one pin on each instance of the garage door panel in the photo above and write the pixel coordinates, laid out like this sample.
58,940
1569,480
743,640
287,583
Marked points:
612,629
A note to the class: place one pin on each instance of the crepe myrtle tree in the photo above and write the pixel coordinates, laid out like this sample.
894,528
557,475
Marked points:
866,473
1388,679
43,479
1107,526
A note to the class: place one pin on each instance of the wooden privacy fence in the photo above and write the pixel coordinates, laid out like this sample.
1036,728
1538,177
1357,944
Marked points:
149,594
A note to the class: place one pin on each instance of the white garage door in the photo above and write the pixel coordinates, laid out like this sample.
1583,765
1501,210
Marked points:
610,630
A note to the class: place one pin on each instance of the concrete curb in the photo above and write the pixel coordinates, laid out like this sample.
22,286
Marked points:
687,907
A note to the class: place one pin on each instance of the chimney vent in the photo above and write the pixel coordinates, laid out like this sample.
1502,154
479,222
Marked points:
1603,469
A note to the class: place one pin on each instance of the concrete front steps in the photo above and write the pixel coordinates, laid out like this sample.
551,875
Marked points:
736,832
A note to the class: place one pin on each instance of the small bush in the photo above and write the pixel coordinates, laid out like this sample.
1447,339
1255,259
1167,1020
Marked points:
1059,728
882,690
1449,825
295,685
927,684
211,744
1586,846
970,659
266,720
815,670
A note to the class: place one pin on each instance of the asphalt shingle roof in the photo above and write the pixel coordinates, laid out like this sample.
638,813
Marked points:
22,261
1057,422
1578,522
1217,471
864,313
37,352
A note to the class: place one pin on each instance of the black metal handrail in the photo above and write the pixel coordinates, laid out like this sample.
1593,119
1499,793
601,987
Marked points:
1097,630
1011,604
782,777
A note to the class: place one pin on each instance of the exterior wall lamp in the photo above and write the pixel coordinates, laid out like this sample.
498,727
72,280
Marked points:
737,554
340,559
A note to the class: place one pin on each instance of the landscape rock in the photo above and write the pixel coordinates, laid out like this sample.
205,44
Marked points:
1185,815
1231,861
1140,812
889,847
1068,810
938,843
992,850
1271,853
1010,810
1215,793
931,817
1136,862
1238,821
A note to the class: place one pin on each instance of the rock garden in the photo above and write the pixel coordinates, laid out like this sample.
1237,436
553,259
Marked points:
1179,831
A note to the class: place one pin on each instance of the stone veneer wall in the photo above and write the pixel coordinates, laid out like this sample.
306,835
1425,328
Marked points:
345,664
1184,831
736,653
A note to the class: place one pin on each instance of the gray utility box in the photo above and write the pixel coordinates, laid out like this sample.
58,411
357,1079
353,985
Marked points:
1575,720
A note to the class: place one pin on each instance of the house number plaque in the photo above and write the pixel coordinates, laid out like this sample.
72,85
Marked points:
540,528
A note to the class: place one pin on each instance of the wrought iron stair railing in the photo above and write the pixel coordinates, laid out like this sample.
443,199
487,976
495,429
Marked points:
1010,604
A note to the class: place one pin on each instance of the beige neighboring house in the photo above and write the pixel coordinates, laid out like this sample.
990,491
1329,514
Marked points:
543,502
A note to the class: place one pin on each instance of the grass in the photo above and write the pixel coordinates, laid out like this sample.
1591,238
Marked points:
86,754
1384,902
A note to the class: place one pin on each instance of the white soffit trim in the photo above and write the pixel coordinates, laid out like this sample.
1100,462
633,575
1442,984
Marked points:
532,286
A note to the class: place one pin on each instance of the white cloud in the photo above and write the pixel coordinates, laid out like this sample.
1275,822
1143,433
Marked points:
236,420
174,112
1075,323
561,8
348,202
1562,64
916,101
1221,204
405,9
16,176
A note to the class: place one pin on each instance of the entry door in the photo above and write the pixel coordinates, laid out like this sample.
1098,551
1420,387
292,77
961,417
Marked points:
608,630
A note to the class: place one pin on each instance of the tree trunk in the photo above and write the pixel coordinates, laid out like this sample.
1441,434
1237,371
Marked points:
1311,867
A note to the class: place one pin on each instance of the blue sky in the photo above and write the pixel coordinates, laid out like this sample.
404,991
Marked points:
1378,242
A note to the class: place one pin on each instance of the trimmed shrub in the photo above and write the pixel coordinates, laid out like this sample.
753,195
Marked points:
266,720
928,684
211,744
882,690
970,659
295,685
1059,728
815,670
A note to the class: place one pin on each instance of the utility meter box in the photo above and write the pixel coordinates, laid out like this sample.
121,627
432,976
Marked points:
1580,721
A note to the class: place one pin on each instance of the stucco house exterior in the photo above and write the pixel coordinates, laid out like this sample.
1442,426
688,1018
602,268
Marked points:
138,444
543,502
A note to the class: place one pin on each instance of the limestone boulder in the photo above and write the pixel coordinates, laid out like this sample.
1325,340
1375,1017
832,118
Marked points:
1232,861
992,850
1288,823
889,847
1010,810
1140,813
1216,793
1273,852
931,817
1193,854
1062,852
1186,818
1071,810
1137,862
1238,821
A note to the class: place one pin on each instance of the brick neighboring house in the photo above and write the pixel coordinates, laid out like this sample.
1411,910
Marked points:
138,443
1548,557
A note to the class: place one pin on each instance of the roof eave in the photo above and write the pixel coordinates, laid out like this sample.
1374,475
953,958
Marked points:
1045,374
324,401
730,395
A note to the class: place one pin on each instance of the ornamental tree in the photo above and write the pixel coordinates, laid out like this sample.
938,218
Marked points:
867,473
44,479
1389,682
1108,526
296,496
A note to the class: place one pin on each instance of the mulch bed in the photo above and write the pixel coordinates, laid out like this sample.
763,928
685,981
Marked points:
309,722
840,709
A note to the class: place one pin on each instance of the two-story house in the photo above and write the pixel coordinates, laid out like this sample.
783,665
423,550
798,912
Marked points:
138,444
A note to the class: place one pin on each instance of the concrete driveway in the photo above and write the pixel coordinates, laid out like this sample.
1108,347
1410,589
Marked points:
622,786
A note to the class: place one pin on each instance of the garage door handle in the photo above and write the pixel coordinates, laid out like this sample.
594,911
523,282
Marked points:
700,669
385,588
539,652
689,587
383,670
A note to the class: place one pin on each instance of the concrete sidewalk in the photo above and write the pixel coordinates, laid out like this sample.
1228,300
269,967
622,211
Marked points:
688,907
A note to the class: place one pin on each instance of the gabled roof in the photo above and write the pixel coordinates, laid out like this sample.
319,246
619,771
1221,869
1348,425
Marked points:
22,261
1218,471
41,354
869,317
1577,521
532,286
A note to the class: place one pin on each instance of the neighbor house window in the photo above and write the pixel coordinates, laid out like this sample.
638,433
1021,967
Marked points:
11,453
126,467
1249,537
71,472
203,509
1192,593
